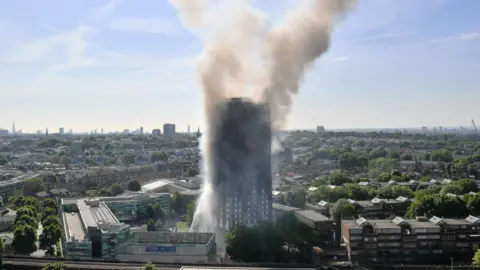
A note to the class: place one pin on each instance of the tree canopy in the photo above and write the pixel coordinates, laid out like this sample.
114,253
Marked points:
134,185
32,186
438,205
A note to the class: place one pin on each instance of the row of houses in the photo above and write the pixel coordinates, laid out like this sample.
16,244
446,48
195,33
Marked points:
420,240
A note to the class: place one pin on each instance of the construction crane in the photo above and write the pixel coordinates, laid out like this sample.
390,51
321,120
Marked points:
474,126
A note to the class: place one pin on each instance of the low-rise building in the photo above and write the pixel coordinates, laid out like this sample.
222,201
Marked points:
92,230
134,206
420,240
7,217
12,186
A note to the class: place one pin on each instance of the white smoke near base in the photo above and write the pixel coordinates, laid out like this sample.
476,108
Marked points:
244,57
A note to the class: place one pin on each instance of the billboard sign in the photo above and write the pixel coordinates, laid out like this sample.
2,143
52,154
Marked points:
160,249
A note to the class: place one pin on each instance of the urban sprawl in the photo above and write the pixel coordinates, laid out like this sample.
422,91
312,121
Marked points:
338,197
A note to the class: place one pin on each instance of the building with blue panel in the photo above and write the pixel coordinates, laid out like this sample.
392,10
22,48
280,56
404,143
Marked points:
92,230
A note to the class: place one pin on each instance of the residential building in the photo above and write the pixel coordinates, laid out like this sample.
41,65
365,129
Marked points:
169,130
381,208
242,175
419,240
11,187
3,132
7,217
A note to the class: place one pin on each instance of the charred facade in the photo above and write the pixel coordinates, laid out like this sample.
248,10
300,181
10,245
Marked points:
242,175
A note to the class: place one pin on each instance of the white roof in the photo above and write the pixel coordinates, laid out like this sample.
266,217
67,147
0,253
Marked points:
154,185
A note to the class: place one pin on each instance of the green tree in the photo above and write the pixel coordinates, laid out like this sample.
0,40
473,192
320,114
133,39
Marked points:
393,154
442,155
193,171
296,198
104,192
24,238
128,159
472,201
159,214
116,189
134,185
342,209
407,157
426,156
54,266
23,220
151,225
179,204
158,156
377,153
1,252
50,220
328,194
338,178
438,205
453,189
360,193
50,236
149,266
150,212
261,243
393,192
190,213
50,203
476,258
48,212
32,186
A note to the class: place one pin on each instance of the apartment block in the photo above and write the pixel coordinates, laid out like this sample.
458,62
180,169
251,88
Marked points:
381,208
419,240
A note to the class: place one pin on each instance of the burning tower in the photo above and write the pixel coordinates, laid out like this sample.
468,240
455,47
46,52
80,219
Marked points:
242,174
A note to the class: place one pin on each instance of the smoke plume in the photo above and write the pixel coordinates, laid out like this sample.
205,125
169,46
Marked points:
243,56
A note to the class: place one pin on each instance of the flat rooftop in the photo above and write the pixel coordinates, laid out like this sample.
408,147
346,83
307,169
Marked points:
311,215
284,208
93,212
73,226
103,214
155,185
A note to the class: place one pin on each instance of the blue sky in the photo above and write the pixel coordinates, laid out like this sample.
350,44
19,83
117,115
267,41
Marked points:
125,64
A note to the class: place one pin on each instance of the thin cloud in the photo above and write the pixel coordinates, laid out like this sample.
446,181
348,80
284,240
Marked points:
152,25
40,49
377,37
103,12
48,27
461,37
340,59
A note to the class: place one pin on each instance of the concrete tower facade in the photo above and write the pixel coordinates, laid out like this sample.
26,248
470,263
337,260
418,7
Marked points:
242,174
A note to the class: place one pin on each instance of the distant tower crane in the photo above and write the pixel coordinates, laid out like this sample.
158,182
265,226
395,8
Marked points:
474,126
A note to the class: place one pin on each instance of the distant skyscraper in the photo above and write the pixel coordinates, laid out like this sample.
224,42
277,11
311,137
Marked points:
102,130
126,131
13,128
61,131
141,130
46,131
156,132
242,172
169,130
188,130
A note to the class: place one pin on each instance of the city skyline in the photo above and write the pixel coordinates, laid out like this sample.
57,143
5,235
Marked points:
113,64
